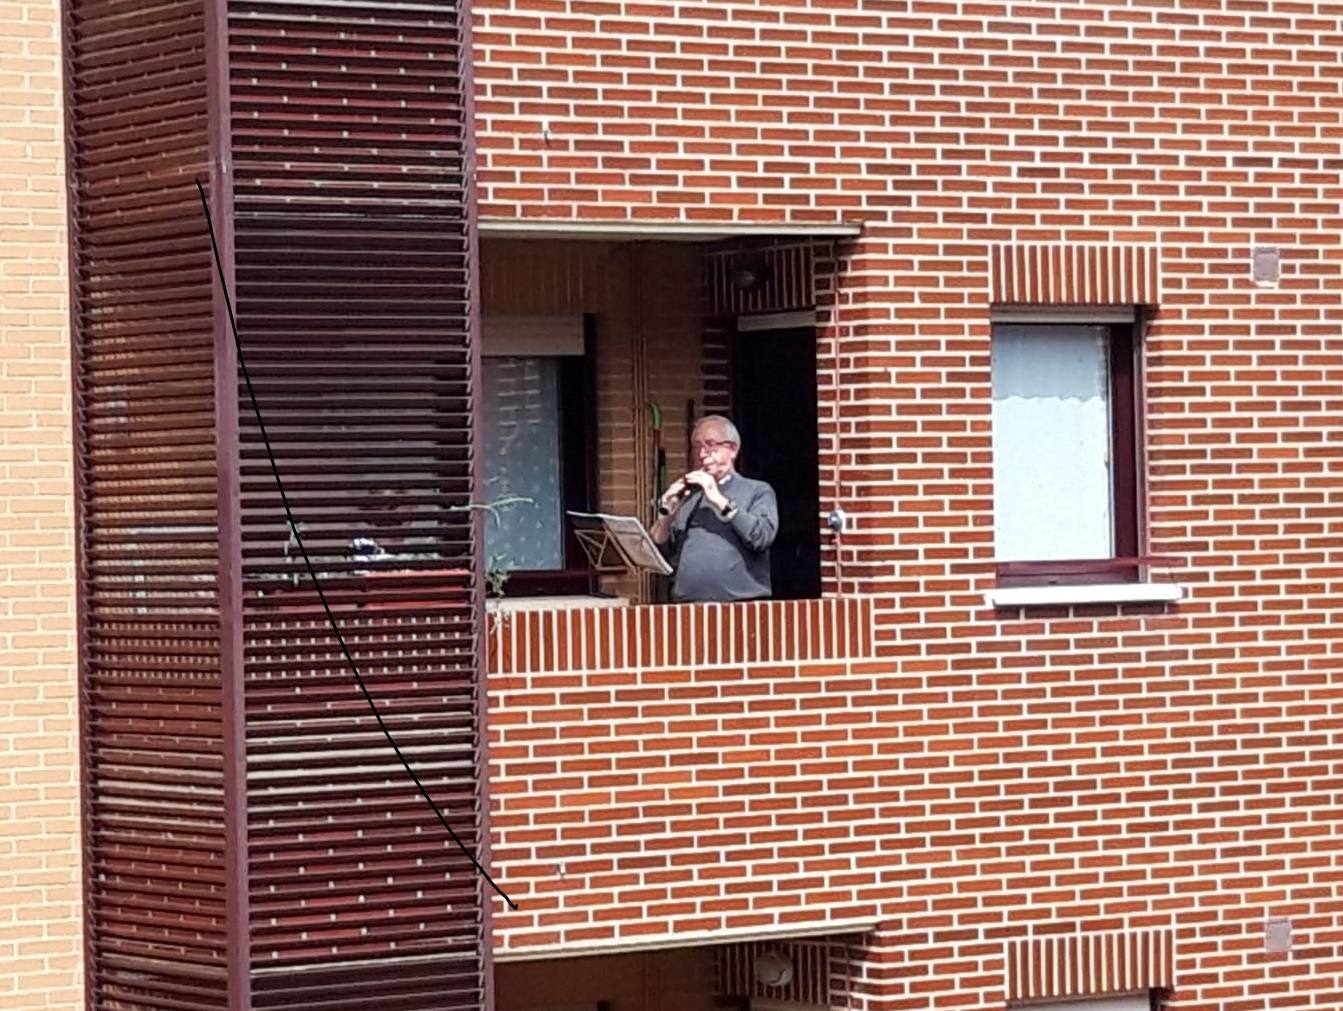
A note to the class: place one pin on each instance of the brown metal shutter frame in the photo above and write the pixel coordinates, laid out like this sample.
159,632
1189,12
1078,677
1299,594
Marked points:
349,141
314,875
155,875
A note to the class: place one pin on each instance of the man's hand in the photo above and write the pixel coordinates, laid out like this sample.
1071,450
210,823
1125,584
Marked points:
705,482
675,495
671,500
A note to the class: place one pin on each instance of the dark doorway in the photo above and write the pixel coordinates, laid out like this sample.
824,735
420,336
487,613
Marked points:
774,407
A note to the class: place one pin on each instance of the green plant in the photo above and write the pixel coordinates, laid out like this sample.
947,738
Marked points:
496,575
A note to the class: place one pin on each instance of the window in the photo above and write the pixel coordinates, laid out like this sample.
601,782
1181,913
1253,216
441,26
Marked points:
1066,453
538,425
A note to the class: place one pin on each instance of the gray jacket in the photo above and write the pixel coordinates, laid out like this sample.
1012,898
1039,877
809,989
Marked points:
718,559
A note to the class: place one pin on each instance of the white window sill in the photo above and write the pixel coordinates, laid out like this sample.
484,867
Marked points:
1099,593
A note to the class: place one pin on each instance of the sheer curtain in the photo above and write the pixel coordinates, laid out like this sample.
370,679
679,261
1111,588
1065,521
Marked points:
522,458
1052,489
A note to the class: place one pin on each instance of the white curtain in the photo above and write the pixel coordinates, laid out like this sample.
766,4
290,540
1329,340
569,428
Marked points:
1052,490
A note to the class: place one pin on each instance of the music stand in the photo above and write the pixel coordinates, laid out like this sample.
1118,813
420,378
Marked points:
617,544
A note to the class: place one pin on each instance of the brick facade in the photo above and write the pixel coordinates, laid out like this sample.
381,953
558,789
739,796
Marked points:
40,927
682,772
1103,771
1011,804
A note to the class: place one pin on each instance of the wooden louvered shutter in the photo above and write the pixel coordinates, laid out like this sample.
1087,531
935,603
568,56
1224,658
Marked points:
150,610
252,839
352,259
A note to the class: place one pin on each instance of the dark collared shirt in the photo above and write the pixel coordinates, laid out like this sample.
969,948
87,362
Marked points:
718,559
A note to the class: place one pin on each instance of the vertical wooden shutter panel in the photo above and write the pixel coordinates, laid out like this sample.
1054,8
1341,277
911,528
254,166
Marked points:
145,464
350,236
354,305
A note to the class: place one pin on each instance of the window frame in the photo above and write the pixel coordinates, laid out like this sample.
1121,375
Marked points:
1128,488
578,474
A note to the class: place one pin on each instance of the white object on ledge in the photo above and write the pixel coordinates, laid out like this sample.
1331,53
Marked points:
567,602
1086,593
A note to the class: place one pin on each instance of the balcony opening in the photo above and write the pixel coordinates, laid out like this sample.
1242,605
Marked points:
597,359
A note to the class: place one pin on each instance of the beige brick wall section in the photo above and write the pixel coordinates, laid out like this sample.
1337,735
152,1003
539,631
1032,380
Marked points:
40,935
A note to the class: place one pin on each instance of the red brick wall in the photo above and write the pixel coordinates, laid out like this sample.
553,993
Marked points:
673,773
1098,769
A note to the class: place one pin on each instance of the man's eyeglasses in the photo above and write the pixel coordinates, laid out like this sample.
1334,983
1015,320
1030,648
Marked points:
711,445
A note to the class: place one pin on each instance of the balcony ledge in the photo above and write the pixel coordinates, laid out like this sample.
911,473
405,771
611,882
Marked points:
505,605
688,939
